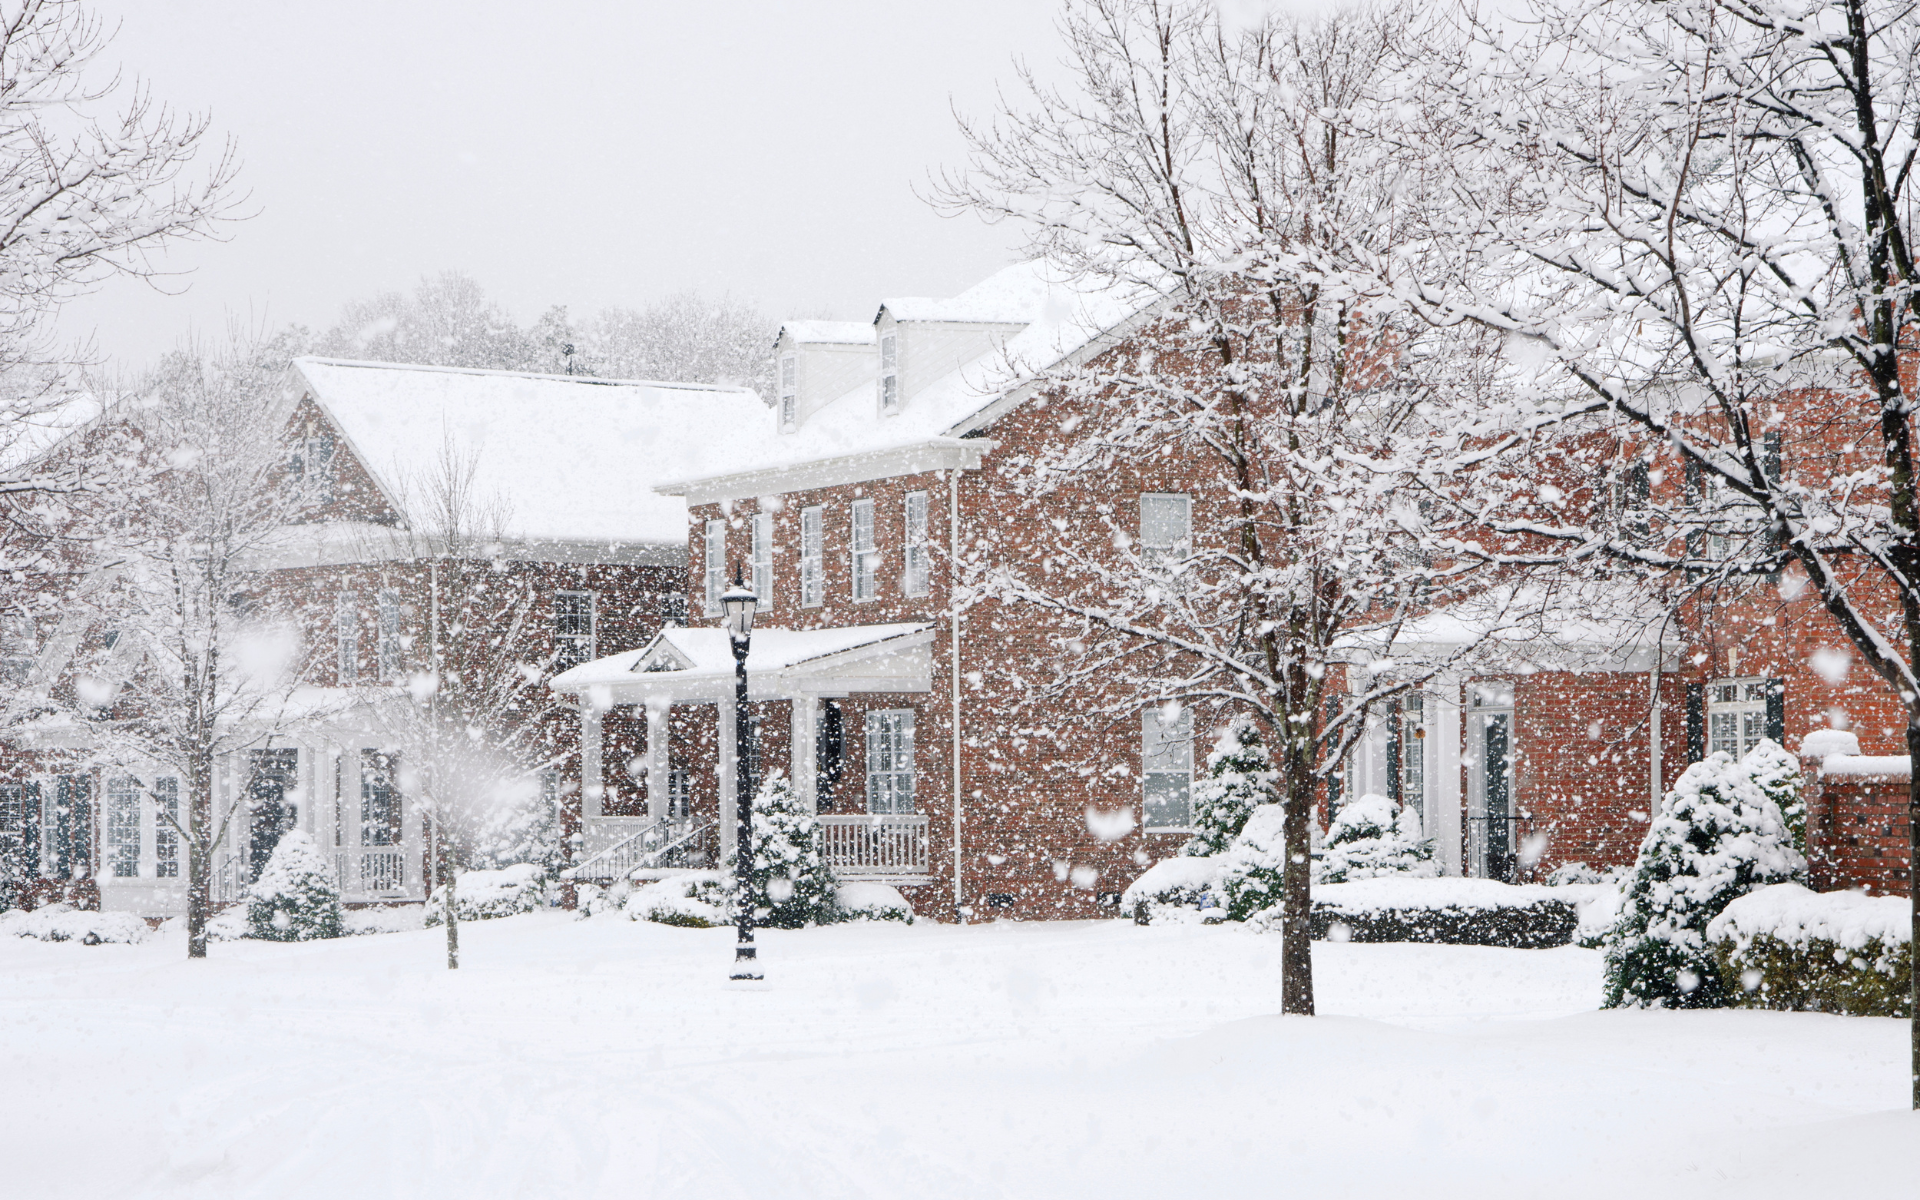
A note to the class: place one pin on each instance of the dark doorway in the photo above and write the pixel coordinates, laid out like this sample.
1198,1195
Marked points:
830,746
272,777
72,824
1499,824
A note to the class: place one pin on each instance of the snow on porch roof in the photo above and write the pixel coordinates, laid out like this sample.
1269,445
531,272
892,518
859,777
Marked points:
683,660
575,459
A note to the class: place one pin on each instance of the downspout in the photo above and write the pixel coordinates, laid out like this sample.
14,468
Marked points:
953,675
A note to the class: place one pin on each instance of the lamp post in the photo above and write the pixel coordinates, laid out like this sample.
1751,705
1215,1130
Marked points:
737,604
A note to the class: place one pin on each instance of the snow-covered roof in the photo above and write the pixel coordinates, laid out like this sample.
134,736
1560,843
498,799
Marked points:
575,459
850,333
1014,295
694,652
1062,314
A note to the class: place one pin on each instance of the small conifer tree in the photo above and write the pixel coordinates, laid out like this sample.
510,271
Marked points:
1367,839
296,898
792,884
1253,868
1718,835
1239,777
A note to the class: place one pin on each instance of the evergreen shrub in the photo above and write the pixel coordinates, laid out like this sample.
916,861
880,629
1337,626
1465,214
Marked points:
792,884
296,898
1240,777
1366,840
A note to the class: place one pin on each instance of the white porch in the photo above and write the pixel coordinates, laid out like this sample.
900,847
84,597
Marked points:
696,667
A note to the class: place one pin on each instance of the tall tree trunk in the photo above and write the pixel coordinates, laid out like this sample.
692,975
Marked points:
1296,901
1913,895
453,911
199,856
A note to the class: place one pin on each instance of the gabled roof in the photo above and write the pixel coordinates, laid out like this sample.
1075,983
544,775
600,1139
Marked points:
685,663
1062,316
575,459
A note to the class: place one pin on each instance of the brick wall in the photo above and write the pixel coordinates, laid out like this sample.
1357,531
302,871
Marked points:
1857,832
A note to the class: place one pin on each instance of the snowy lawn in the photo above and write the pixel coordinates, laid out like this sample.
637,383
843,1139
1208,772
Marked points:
605,1057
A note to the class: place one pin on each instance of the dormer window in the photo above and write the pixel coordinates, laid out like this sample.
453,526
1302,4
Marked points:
789,393
889,375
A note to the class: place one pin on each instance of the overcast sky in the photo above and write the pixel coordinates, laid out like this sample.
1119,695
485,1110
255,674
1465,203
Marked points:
570,152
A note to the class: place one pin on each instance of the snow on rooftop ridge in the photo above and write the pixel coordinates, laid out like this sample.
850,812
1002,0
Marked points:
845,333
592,380
1015,295
575,459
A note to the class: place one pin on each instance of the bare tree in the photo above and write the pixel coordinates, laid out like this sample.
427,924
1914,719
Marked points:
196,659
448,321
1332,438
685,338
1699,216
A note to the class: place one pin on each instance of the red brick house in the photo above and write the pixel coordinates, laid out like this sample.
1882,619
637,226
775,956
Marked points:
899,710
564,468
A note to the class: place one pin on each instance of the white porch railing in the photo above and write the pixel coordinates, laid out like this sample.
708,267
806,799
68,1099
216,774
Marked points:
645,847
371,872
877,846
229,882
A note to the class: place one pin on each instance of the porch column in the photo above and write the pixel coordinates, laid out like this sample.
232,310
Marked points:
1444,817
725,774
806,771
659,720
593,787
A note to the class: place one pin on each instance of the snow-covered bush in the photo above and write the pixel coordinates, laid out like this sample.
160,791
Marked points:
1801,951
1777,773
872,902
1718,835
479,895
1366,839
383,918
296,898
693,899
64,923
1239,778
1577,874
1253,868
792,883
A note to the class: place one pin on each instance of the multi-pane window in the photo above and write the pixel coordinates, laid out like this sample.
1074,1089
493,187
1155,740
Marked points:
1413,758
679,783
716,565
866,559
68,822
313,465
890,761
18,648
123,826
1736,715
789,391
15,823
1166,765
389,606
813,557
763,558
572,629
346,634
1166,530
913,578
166,840
889,374
379,798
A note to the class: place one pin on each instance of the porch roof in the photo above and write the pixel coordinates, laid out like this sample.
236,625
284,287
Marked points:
697,664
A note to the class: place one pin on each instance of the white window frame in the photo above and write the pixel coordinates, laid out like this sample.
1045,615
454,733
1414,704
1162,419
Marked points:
789,392
890,761
1165,543
123,827
763,558
1166,768
864,556
346,638
915,575
166,839
564,636
715,564
889,373
813,556
392,663
1413,752
1736,715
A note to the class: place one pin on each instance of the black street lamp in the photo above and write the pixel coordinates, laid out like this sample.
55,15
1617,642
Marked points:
736,606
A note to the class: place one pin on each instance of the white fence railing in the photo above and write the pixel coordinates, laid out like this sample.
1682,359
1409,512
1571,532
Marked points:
229,882
371,872
645,847
879,846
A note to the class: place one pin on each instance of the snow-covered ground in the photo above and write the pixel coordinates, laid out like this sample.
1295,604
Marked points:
604,1057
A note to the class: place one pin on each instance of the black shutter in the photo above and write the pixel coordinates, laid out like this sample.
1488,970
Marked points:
1333,776
1639,497
830,747
30,828
1770,448
1696,722
1394,725
1695,493
1777,710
